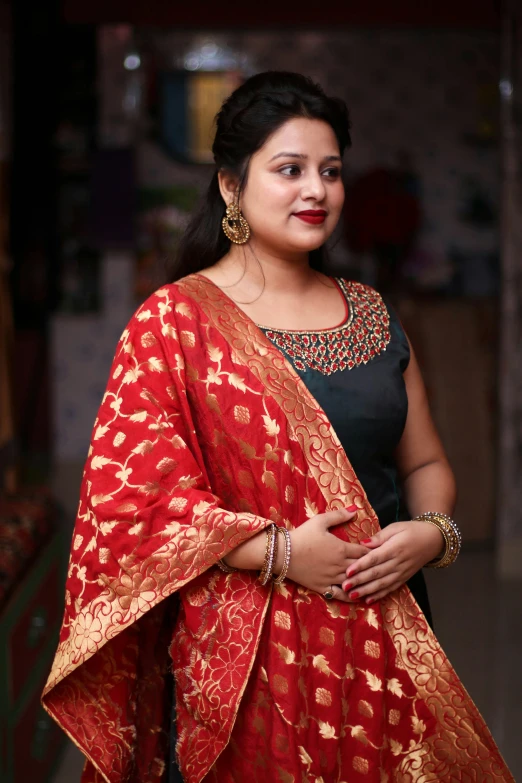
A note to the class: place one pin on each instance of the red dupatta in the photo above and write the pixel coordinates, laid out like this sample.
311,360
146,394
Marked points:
204,436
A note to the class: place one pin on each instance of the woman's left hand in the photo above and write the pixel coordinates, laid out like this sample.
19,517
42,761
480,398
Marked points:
398,551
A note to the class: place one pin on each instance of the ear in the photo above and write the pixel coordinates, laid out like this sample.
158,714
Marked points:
228,186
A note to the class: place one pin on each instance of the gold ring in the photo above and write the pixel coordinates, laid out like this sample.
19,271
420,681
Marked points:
328,594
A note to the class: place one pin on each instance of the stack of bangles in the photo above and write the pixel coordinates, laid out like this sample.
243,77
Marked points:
450,533
267,572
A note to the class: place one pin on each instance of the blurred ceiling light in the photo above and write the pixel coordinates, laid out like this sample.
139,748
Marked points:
132,62
208,55
506,88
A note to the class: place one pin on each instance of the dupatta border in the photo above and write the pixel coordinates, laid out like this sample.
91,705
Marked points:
463,740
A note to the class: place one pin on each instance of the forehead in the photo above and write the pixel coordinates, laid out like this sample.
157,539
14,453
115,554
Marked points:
313,138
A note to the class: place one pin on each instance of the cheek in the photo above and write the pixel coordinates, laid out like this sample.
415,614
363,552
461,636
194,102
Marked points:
336,197
272,201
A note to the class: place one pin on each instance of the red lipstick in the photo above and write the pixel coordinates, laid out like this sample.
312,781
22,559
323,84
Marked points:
313,216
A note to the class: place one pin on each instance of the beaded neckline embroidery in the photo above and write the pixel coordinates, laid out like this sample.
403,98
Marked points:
363,335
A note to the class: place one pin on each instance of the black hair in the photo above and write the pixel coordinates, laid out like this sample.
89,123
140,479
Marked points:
252,113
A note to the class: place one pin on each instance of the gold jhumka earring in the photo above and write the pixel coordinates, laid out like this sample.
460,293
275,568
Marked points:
235,226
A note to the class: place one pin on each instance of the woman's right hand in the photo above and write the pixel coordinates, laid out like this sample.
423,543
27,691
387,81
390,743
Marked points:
319,559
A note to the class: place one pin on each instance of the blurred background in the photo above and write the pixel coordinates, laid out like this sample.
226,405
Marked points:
106,113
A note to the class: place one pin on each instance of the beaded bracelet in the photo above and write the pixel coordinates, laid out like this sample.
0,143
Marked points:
288,551
225,567
451,534
270,554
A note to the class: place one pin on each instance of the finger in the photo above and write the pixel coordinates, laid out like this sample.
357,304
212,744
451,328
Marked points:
379,538
355,551
370,588
372,559
333,518
339,594
371,599
382,571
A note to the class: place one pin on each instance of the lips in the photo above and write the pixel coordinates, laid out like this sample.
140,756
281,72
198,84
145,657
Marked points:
313,216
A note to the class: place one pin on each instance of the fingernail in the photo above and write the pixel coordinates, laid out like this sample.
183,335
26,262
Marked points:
351,508
366,541
348,586
354,595
370,601
351,572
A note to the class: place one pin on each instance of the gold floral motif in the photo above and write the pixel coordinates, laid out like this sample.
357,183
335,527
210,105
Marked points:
372,648
323,697
360,765
280,683
242,414
289,493
327,636
283,620
365,708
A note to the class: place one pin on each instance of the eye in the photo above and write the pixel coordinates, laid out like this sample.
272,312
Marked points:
332,173
292,170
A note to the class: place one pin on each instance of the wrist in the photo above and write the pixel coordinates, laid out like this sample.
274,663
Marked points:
437,540
250,555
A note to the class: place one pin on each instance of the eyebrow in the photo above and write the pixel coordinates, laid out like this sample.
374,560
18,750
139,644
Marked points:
301,156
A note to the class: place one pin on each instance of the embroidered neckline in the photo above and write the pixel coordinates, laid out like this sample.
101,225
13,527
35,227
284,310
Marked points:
364,335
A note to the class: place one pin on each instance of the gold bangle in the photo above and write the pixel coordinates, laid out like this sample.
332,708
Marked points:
225,567
451,534
288,551
270,554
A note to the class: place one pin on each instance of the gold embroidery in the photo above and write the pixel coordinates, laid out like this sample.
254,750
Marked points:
242,414
327,636
372,648
363,336
283,620
365,708
280,683
360,765
323,697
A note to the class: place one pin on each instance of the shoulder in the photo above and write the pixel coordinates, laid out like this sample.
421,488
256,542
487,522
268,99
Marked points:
165,314
363,294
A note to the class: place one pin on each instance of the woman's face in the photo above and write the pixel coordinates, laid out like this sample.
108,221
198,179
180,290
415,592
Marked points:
294,192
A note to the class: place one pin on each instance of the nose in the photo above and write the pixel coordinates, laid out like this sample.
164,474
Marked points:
313,187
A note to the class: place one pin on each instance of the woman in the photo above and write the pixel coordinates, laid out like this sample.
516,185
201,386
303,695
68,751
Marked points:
220,518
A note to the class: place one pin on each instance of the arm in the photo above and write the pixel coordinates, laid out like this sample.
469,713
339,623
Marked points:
429,484
402,548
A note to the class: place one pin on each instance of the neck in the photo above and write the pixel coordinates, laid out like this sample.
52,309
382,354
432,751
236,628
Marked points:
280,272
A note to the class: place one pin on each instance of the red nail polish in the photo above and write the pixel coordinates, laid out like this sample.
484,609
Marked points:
348,586
370,601
366,541
354,595
351,508
350,573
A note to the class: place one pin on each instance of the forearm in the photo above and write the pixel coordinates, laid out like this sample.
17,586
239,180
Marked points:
250,555
431,487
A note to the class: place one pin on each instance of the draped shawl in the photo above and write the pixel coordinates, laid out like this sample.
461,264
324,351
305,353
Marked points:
205,435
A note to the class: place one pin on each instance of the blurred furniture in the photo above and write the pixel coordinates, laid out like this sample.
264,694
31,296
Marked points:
31,590
455,341
30,741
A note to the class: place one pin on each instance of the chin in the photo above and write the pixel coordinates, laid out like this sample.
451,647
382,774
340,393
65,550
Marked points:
307,244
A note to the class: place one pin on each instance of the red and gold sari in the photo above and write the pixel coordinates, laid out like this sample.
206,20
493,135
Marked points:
205,435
